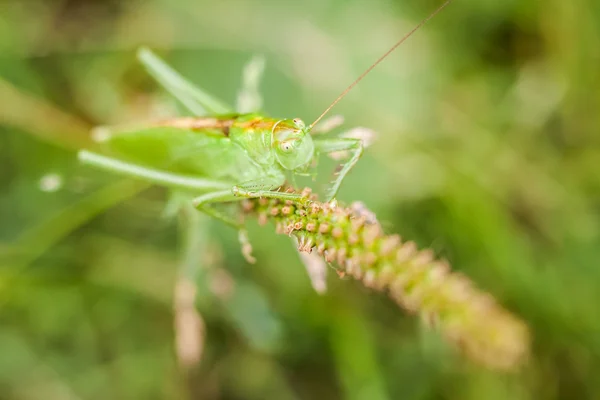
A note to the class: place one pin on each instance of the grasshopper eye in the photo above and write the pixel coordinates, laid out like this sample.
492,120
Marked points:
286,146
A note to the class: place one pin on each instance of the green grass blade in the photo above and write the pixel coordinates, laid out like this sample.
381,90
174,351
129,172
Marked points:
195,99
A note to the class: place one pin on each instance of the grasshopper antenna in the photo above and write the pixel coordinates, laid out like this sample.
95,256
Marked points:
380,59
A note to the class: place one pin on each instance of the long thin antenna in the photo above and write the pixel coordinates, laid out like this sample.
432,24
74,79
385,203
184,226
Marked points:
394,47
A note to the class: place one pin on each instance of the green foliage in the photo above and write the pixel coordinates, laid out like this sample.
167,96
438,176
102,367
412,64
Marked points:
487,152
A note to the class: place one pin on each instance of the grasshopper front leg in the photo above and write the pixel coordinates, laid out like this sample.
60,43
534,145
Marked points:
262,187
354,146
255,188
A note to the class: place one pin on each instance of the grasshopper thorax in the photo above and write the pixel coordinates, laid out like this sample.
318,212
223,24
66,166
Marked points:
292,144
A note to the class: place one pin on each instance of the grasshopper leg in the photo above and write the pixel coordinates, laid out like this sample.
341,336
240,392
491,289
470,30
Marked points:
264,187
255,188
251,189
194,98
354,146
203,203
150,175
176,181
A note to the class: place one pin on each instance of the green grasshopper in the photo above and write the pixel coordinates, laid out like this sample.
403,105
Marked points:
222,155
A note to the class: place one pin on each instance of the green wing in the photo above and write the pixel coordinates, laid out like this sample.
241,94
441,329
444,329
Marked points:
173,149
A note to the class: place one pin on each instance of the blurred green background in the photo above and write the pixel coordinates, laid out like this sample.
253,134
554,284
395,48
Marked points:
488,152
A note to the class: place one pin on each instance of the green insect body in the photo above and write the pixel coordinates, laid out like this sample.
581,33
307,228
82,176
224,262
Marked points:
221,158
235,149
218,154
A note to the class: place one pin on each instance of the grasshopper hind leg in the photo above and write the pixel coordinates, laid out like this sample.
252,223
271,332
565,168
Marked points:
252,189
202,203
195,99
261,187
177,182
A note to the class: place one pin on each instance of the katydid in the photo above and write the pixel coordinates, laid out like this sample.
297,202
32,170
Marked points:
222,155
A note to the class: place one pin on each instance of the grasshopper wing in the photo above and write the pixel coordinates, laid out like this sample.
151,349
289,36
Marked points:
173,149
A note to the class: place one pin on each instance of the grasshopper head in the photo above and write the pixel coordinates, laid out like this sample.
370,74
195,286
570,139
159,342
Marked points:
293,144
